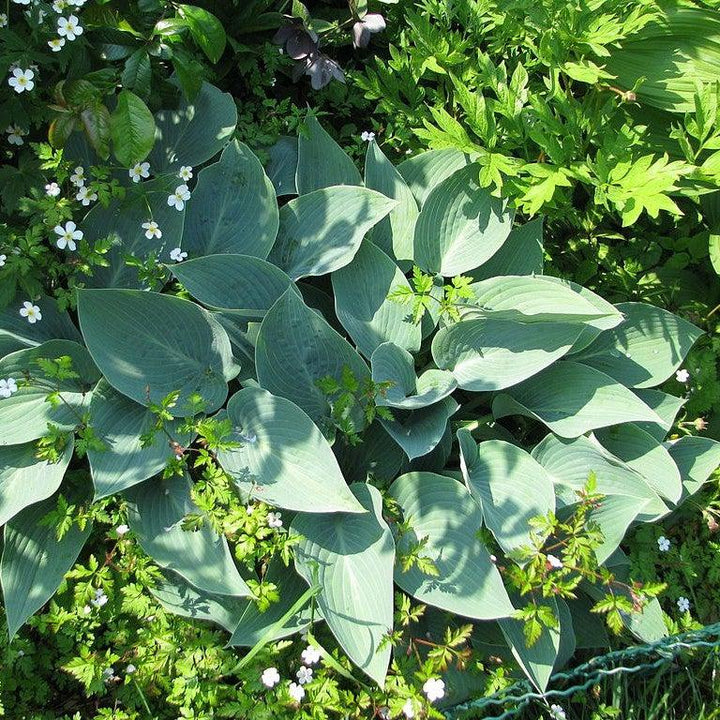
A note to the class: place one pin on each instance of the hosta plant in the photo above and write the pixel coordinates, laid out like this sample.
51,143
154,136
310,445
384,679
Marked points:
378,358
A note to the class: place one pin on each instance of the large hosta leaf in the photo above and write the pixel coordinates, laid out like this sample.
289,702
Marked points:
176,346
282,165
665,406
520,254
425,171
351,557
362,305
283,458
571,398
233,208
442,513
488,354
510,487
696,458
123,462
156,509
644,350
321,231
461,225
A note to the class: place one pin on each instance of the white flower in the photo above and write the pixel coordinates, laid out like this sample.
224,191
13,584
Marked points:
663,543
139,171
130,669
273,520
59,6
297,692
304,675
249,510
108,674
177,254
557,712
56,44
3,20
100,598
122,529
76,3
87,610
68,235
21,2
7,387
554,561
179,197
683,604
78,177
434,689
22,80
270,677
15,135
85,196
367,136
310,655
52,189
185,173
682,375
3,258
408,709
69,27
31,312
151,230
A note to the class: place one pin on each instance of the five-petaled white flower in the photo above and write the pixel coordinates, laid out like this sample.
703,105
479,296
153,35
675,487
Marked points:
69,27
108,674
85,196
274,520
366,136
554,562
270,677
100,598
139,171
151,230
408,709
52,189
31,312
185,173
122,529
21,2
130,669
557,712
178,198
59,6
3,258
7,387
21,80
297,692
56,44
68,235
310,655
682,375
434,689
15,135
683,604
177,254
304,675
3,20
78,177
663,543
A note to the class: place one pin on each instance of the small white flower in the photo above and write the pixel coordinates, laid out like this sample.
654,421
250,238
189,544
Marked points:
87,610
21,80
367,136
408,709
31,312
179,197
139,171
270,677
15,135
108,674
3,20
555,562
56,44
7,387
3,258
69,27
557,712
85,196
663,543
249,510
274,520
434,689
122,529
682,375
186,173
130,669
52,189
151,230
77,3
297,692
304,675
21,653
59,6
68,236
78,177
683,604
100,598
21,2
310,655
177,254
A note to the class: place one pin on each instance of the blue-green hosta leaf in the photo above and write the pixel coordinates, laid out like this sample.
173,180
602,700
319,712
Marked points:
25,480
644,454
442,510
665,406
393,364
361,291
321,231
488,354
643,351
295,348
119,422
521,254
425,171
394,234
351,557
461,225
195,132
233,208
696,458
571,399
176,345
156,509
25,414
510,487
283,454
321,161
34,561
378,455
418,432
282,165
